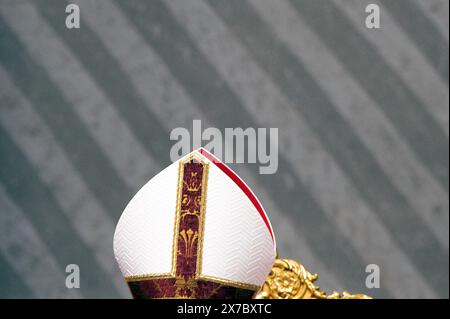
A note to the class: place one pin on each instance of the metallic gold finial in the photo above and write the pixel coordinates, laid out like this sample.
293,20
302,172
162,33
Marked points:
288,279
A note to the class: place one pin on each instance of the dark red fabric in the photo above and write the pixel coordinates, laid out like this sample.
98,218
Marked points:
167,288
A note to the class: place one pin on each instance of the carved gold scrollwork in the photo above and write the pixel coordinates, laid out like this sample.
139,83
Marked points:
288,279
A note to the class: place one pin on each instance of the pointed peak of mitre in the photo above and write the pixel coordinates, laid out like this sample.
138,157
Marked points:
240,183
197,220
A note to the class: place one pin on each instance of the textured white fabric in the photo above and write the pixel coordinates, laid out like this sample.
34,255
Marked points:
144,234
237,244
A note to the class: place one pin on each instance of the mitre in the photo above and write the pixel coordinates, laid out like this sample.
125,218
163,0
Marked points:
195,230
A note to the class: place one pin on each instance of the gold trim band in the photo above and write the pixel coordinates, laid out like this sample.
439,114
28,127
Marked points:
148,276
228,282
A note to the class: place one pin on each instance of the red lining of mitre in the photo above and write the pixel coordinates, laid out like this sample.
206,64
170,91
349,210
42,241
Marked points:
242,185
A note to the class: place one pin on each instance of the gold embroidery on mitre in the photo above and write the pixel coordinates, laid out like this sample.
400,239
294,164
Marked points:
199,211
195,205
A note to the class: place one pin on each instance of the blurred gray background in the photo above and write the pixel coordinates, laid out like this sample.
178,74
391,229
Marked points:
363,118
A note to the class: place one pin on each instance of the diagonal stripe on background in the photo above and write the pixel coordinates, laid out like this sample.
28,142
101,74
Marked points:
369,123
361,59
374,186
173,107
33,197
109,76
23,248
220,105
96,111
423,32
86,108
32,137
12,285
51,105
438,12
351,215
401,54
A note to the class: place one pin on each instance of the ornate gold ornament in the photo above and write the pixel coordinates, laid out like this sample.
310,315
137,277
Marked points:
288,279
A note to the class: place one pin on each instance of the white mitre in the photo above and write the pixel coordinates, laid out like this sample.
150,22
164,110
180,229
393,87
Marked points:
195,230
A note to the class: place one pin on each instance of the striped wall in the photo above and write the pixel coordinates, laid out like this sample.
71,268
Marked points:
363,118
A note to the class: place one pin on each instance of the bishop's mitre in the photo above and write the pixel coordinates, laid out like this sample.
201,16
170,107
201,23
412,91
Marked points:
195,230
